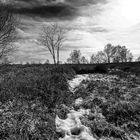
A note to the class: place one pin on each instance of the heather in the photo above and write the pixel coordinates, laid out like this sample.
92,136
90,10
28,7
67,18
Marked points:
29,98
114,102
32,96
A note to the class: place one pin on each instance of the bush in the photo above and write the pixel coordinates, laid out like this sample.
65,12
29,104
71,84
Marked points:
100,69
50,86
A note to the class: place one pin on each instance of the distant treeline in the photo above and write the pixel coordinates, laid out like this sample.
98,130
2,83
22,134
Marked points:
110,54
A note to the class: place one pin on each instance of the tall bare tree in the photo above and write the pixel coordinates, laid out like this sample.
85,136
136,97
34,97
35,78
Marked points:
53,37
8,23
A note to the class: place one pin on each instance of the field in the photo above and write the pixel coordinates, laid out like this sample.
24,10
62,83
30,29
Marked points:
32,95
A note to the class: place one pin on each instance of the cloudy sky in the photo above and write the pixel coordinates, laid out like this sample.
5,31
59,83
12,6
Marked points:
93,23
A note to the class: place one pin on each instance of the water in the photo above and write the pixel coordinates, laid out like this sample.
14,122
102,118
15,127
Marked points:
77,80
72,128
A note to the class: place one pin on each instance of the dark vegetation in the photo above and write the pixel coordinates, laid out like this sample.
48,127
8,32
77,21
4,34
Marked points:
133,67
114,101
29,99
110,54
31,95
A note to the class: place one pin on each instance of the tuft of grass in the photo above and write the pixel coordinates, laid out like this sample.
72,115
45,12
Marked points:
100,69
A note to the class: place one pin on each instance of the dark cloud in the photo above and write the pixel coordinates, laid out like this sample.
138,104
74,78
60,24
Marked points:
84,2
48,11
51,8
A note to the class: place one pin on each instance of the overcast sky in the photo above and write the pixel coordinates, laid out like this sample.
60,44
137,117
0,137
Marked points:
94,23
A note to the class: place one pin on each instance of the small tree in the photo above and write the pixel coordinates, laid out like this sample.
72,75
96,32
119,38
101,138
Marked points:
5,60
101,57
47,61
75,57
8,23
108,51
121,54
83,60
138,59
116,54
129,56
53,37
69,61
93,59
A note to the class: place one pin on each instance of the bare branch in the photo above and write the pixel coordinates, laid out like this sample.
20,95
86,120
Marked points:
8,23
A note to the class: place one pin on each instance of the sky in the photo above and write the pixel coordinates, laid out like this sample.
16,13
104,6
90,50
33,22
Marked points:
93,24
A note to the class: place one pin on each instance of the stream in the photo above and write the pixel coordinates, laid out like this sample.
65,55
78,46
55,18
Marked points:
77,80
71,127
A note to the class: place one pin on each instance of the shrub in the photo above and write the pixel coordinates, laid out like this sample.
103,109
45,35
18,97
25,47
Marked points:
100,69
49,86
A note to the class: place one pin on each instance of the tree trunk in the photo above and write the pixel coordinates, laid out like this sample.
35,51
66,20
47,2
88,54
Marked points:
53,53
58,55
54,59
108,57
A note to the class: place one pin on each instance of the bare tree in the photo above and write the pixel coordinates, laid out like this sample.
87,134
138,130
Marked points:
53,37
8,22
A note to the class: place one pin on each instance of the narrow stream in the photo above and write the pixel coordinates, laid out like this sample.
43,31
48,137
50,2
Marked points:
77,80
72,128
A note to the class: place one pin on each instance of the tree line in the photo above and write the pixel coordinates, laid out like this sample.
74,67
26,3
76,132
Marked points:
110,54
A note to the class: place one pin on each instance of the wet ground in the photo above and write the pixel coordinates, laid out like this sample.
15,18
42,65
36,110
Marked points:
72,128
